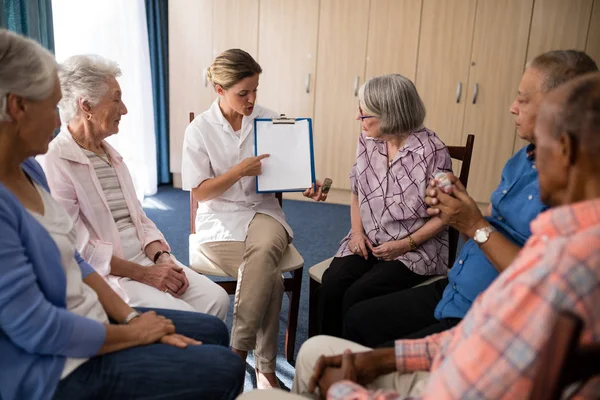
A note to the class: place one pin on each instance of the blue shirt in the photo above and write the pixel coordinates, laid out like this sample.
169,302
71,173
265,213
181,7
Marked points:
37,332
515,203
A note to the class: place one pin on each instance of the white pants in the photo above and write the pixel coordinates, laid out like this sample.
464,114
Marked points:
203,295
405,384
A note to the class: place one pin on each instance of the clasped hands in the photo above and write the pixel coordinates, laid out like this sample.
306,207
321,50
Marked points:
456,209
360,245
166,276
361,368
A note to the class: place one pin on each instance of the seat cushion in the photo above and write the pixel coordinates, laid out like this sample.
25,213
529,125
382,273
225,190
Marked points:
290,261
316,271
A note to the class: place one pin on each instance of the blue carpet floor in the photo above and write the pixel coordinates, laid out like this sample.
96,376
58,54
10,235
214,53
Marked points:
318,228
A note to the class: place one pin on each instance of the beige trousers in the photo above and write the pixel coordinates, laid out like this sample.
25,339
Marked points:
259,293
405,384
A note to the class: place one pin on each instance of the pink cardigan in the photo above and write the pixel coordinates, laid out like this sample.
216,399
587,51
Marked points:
73,182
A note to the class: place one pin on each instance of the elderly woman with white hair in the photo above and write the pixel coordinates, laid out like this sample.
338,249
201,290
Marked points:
392,245
64,333
88,177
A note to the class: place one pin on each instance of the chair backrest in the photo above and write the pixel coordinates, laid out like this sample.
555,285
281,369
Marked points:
464,154
194,204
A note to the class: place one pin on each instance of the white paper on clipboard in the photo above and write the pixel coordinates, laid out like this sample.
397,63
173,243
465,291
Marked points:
290,165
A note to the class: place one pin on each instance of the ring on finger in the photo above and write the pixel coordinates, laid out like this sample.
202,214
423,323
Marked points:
166,290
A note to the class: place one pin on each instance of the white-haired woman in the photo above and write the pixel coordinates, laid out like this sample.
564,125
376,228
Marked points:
392,245
88,177
56,341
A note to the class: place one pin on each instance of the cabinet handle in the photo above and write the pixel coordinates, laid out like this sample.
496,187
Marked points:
356,85
458,91
308,83
475,93
205,79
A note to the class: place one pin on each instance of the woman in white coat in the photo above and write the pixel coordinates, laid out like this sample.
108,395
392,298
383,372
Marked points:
243,232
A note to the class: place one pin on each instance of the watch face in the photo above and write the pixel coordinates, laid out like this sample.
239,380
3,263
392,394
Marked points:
480,236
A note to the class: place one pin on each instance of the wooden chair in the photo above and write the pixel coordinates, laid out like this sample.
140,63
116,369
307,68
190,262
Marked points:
291,262
563,362
461,153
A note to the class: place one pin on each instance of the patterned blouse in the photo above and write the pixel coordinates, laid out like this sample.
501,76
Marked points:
392,197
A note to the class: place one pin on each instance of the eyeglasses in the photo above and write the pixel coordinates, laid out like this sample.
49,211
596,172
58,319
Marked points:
363,117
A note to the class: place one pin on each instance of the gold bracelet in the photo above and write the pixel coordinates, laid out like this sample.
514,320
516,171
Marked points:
413,244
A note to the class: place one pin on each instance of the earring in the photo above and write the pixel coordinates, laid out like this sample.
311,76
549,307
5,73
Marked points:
89,117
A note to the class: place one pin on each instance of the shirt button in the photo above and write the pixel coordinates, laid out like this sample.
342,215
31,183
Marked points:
504,191
533,166
500,218
454,286
460,262
530,197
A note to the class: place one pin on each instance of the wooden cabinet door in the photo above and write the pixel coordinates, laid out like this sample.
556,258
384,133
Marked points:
557,25
190,53
499,50
235,26
592,47
443,65
393,37
340,71
287,53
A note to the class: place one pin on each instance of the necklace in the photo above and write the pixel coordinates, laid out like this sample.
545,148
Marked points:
101,156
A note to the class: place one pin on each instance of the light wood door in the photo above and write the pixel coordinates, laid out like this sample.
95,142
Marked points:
557,25
340,71
593,40
236,26
393,37
499,50
190,53
443,66
287,53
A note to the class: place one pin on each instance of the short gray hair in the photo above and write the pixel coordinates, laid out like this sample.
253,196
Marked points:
560,66
84,77
26,69
395,100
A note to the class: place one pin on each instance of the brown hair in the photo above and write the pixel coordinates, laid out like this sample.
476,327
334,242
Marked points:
560,66
230,67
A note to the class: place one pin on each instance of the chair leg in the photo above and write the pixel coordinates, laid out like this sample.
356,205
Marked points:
312,308
290,335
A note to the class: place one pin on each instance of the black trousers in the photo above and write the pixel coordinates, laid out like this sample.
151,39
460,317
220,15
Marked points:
407,314
351,280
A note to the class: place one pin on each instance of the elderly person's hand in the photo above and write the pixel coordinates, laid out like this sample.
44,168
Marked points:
314,192
363,368
359,244
346,372
166,276
391,250
152,328
458,210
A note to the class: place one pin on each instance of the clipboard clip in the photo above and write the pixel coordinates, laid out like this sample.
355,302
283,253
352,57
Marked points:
284,120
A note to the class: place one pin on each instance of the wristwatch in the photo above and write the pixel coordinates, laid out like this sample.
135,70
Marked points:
483,234
129,317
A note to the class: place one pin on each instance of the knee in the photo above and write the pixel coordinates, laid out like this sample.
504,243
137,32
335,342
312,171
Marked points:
215,331
222,301
227,373
353,296
310,351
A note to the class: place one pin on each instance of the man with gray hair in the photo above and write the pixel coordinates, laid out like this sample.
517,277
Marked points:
494,352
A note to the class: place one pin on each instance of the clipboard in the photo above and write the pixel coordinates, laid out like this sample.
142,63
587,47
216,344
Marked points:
291,165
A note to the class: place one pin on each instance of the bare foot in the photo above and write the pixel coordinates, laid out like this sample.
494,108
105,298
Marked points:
266,380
